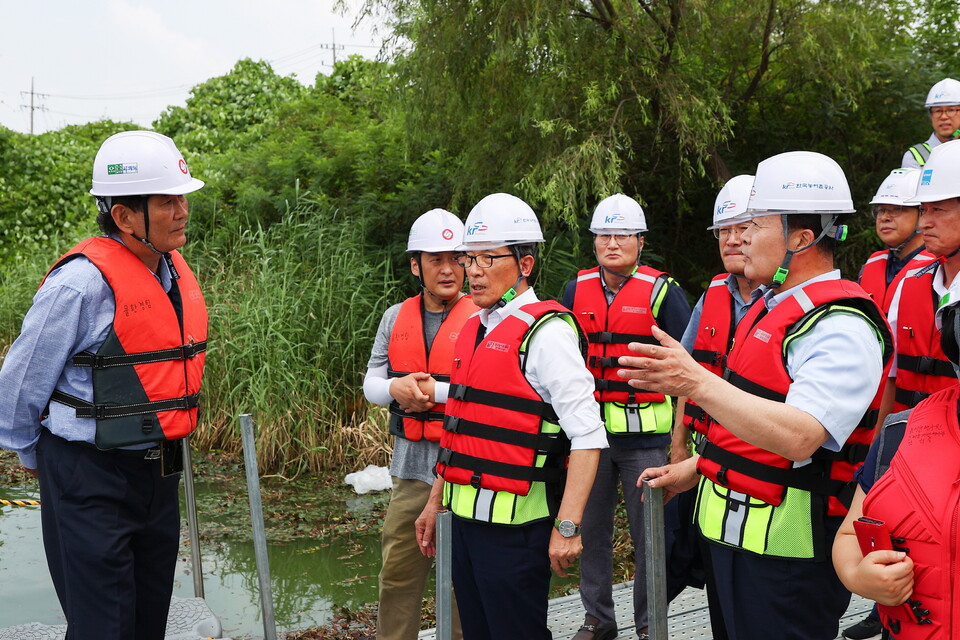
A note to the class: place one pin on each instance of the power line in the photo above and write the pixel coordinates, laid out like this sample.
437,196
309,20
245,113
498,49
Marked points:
33,108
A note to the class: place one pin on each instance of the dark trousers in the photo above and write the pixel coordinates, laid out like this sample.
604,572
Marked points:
501,576
764,597
110,532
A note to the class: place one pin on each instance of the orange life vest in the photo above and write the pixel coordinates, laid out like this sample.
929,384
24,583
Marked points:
147,373
408,353
873,276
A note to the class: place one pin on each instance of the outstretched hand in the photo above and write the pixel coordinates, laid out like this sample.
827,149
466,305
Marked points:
665,368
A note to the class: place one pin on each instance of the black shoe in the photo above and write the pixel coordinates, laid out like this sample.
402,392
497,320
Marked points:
591,630
867,629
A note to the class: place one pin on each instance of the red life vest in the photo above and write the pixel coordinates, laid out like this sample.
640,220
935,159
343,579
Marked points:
147,373
919,500
408,353
495,427
610,327
873,276
922,368
712,343
757,364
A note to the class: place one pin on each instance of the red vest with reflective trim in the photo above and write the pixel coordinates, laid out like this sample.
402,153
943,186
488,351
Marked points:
712,341
758,357
144,321
407,353
918,344
494,366
919,500
629,313
873,276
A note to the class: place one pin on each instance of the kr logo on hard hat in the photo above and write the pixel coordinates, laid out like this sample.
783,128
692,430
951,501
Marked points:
726,206
616,218
476,226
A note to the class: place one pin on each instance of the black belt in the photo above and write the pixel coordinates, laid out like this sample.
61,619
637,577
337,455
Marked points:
153,453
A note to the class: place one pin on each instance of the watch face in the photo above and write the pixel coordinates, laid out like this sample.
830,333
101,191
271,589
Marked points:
567,529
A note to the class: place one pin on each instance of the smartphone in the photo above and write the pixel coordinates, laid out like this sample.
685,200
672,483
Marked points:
872,535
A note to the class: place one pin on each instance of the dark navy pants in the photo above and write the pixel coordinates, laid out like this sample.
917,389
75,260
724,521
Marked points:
111,528
765,598
501,576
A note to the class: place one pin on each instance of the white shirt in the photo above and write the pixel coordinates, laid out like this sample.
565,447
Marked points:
555,370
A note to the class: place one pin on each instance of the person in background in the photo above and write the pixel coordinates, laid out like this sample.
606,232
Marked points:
409,370
520,445
616,303
789,418
100,387
943,103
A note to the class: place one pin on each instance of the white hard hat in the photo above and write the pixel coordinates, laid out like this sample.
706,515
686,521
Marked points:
435,231
499,220
731,204
800,182
946,92
618,213
898,188
940,176
139,163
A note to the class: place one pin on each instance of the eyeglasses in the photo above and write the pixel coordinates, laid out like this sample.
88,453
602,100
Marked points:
736,230
483,260
950,111
619,238
890,211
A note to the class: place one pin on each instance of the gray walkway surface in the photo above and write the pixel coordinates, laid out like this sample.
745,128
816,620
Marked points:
189,619
687,617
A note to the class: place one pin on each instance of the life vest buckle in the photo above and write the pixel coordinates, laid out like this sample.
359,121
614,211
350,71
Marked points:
475,480
192,350
452,424
722,476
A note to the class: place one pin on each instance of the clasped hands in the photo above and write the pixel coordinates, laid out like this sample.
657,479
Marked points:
414,392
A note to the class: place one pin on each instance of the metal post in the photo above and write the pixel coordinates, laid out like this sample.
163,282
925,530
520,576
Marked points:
192,527
653,526
444,575
259,532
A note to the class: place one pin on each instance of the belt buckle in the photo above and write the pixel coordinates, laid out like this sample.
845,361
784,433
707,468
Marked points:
152,454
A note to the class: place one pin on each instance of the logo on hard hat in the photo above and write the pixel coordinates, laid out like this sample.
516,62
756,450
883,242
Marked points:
523,220
940,94
121,168
447,234
808,185
726,205
926,177
183,166
476,226
615,218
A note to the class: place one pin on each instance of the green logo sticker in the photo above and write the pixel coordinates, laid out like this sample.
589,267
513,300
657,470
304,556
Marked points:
121,168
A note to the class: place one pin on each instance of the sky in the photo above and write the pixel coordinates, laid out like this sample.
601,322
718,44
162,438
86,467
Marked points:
127,60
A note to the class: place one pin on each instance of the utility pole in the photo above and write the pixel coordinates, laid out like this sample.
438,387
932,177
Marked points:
33,94
333,45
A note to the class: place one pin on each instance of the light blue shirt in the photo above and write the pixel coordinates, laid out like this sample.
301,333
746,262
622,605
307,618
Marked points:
72,312
740,309
836,367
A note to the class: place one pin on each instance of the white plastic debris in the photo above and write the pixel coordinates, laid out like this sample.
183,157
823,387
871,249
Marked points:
372,478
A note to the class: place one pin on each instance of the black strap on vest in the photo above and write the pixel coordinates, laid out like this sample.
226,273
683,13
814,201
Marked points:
617,385
752,387
422,416
925,365
550,475
184,352
694,411
466,393
888,441
439,377
540,442
606,362
808,478
908,397
706,356
608,337
102,411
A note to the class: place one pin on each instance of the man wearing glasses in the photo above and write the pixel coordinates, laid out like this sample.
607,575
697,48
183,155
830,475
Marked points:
617,302
522,437
943,101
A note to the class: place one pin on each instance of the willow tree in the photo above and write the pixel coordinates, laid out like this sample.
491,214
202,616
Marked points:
565,101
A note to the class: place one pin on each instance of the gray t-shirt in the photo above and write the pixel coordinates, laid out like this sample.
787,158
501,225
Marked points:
411,460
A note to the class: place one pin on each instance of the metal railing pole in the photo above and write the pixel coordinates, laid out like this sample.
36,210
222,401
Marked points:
259,531
653,526
444,575
191,495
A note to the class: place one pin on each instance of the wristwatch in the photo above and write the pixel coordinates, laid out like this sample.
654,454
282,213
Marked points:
566,528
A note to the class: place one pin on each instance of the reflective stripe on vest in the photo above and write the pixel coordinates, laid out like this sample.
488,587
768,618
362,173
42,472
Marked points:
502,452
407,352
920,152
922,368
873,276
148,371
754,499
609,328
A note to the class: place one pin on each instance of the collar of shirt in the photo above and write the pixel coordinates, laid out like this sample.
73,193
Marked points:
491,319
734,287
942,289
772,297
